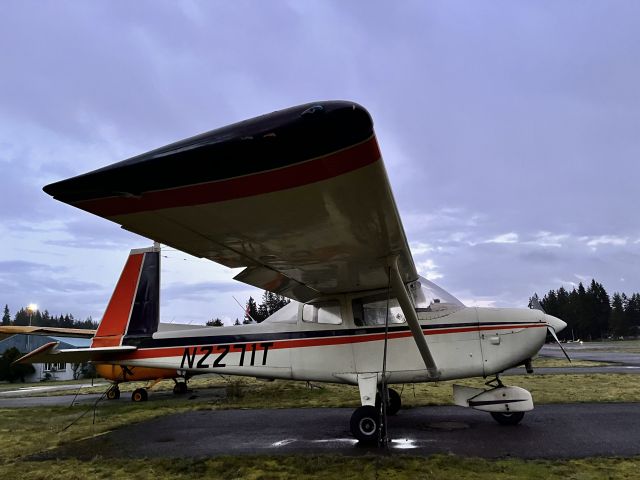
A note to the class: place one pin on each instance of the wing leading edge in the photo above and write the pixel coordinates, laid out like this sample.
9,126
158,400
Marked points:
299,197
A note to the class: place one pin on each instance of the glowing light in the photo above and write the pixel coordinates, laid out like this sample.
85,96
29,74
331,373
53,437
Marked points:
32,307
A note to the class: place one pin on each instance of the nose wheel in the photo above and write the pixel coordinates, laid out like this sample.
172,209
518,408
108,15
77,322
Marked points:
512,418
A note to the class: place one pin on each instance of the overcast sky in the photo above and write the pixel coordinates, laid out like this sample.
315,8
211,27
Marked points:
510,132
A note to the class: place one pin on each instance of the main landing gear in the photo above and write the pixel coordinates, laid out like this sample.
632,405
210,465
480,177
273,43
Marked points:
113,393
180,388
142,395
139,395
366,420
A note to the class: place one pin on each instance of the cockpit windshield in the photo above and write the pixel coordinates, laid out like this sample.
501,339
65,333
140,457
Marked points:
429,297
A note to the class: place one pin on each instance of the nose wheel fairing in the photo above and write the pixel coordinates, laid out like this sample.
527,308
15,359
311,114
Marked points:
499,399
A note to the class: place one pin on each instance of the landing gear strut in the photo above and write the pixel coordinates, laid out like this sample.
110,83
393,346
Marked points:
394,402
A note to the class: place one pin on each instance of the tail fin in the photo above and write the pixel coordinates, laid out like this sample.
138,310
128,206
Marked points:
134,308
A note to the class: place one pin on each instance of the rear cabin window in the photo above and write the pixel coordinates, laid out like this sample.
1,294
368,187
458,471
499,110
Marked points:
371,311
327,313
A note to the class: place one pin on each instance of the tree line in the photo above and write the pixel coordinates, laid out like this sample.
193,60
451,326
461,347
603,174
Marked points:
256,313
45,319
271,303
592,314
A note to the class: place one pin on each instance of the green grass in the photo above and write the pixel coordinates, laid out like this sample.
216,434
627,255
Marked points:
391,467
551,362
27,431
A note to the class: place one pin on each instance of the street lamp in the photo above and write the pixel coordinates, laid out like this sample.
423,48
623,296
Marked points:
31,308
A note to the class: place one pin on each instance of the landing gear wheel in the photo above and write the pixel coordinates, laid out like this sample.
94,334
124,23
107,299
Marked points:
113,393
364,424
512,418
139,395
180,388
395,402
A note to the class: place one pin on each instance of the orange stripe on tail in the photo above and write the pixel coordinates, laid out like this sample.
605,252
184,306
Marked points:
116,317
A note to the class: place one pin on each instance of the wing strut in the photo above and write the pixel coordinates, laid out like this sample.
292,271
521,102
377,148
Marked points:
412,318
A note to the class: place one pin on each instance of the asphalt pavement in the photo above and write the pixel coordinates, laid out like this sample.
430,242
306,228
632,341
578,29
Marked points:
550,431
596,352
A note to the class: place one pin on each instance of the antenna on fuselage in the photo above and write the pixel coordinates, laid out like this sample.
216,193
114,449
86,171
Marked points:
245,311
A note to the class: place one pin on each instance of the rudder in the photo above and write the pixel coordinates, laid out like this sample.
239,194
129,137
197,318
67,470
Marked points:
134,308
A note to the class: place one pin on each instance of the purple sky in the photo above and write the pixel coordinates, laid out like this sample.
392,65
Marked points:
509,131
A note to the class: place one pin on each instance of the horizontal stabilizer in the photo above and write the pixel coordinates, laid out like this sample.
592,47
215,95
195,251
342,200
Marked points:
50,353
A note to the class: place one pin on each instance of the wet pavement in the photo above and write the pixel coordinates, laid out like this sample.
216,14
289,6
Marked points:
550,431
596,352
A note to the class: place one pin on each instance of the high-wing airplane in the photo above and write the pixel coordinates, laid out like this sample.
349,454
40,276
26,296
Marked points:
300,198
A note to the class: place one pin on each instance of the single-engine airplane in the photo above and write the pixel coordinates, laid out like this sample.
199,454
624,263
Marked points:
301,199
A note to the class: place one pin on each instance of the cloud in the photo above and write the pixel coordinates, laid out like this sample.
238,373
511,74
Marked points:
505,172
428,269
605,240
419,248
548,239
504,238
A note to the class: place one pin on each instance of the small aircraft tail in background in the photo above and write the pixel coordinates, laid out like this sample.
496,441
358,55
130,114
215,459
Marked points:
132,314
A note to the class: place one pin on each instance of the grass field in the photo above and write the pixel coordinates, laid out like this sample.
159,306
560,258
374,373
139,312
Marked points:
396,467
214,380
28,431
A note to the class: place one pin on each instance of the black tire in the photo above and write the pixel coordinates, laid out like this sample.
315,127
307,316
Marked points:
113,393
180,388
395,402
503,418
139,395
364,424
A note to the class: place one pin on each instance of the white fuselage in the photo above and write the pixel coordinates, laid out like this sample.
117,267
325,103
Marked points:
465,342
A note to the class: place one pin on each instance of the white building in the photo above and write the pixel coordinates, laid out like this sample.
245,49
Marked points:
45,371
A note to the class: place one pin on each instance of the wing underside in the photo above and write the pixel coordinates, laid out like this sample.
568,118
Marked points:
299,197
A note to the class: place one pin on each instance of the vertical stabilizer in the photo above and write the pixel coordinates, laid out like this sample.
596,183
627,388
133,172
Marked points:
134,308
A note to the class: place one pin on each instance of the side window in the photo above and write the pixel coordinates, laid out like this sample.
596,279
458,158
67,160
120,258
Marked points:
327,313
330,313
370,311
308,313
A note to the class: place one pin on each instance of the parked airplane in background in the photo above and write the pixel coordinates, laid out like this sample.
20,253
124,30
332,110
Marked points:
115,372
301,199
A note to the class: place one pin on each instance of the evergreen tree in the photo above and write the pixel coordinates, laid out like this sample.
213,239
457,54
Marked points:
251,311
618,323
632,312
6,318
11,372
215,323
21,317
237,322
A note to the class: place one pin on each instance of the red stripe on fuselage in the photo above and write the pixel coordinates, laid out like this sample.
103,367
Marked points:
317,342
296,175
